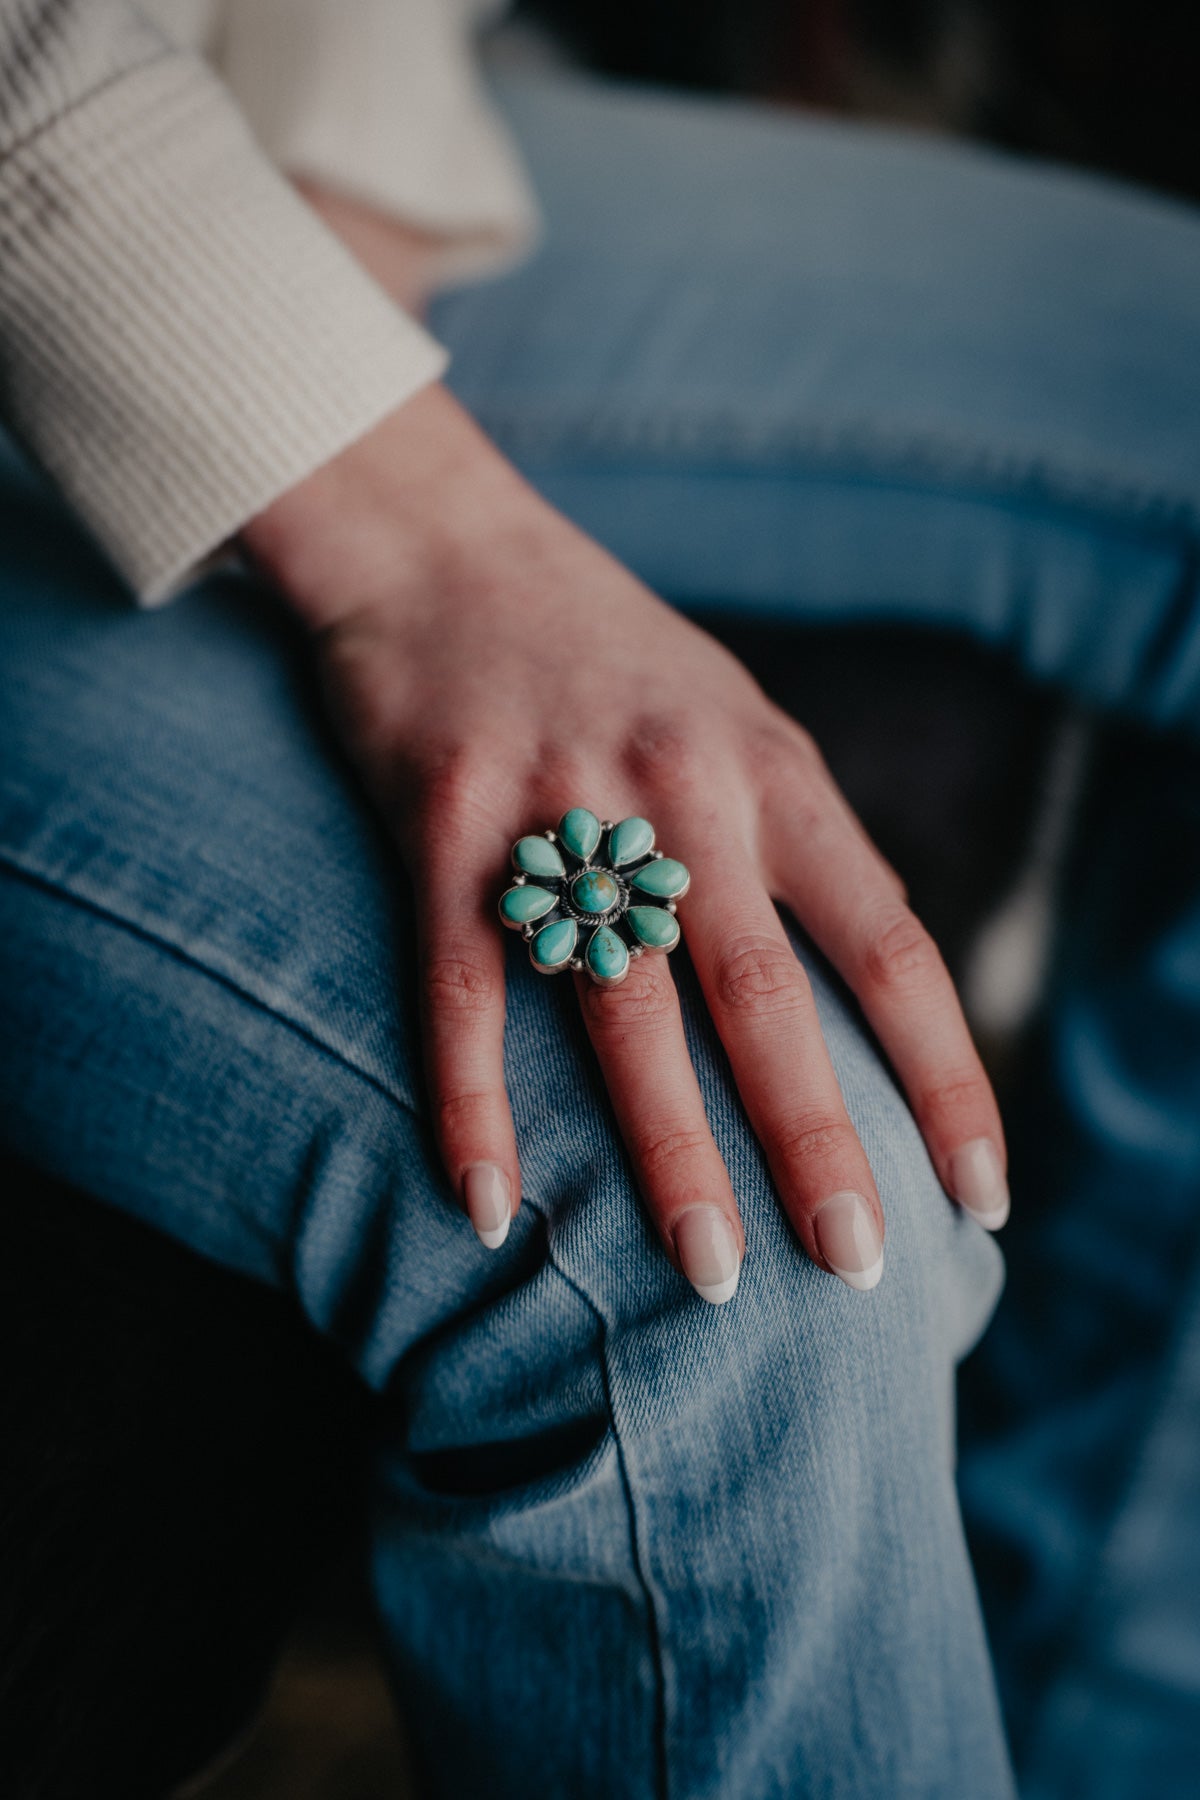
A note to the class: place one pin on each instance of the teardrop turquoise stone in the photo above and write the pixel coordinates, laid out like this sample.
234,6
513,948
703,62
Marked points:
579,830
537,856
655,926
666,879
554,944
522,904
607,957
630,839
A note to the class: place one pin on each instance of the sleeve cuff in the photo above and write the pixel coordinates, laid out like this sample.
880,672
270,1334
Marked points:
385,103
183,339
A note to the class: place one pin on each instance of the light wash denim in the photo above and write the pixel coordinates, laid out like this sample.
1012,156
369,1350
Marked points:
626,1544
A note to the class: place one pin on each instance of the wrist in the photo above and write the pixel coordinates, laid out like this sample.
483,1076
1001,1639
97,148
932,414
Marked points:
394,518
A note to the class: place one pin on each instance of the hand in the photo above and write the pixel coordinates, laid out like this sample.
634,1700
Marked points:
489,666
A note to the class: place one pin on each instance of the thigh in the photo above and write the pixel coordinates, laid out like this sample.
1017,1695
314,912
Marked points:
621,1537
809,369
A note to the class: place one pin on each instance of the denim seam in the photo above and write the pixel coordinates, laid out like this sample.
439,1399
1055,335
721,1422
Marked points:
654,1631
191,961
862,452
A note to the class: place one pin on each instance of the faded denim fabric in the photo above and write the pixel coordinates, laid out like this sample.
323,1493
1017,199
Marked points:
624,1543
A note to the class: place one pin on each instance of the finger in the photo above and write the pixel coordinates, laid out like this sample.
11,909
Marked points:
832,797
763,1008
462,1007
855,915
637,1031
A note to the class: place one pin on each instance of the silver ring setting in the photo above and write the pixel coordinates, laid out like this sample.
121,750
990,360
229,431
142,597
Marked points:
593,896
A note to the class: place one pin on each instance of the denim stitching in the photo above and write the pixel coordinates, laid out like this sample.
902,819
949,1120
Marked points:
861,451
654,1630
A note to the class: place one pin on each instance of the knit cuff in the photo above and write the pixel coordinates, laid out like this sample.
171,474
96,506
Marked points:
183,340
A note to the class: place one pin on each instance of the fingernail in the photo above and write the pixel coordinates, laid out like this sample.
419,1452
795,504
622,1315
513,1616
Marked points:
708,1250
485,1191
848,1238
977,1182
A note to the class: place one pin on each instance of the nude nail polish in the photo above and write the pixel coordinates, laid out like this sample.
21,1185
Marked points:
708,1250
848,1238
976,1179
489,1207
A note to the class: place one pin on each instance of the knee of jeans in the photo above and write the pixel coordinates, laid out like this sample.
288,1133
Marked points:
792,1329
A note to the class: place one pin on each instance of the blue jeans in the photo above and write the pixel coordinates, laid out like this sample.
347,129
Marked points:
623,1543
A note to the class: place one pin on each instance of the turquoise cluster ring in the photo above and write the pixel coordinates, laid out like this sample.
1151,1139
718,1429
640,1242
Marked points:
593,896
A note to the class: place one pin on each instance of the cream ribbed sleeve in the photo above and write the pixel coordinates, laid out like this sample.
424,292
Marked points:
383,101
180,338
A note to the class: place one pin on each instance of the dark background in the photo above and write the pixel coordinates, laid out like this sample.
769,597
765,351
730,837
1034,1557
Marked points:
1091,81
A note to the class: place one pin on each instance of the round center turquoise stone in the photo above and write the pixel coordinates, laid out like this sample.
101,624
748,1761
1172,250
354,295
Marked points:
595,891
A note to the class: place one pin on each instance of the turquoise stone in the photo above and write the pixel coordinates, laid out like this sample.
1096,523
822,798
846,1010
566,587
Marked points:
554,944
607,957
538,856
666,879
579,830
595,892
654,925
630,839
523,904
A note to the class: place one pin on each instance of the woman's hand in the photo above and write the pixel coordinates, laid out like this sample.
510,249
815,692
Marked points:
488,666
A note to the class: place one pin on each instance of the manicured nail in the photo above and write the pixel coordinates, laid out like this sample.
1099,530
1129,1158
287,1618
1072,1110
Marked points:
848,1239
708,1250
485,1191
977,1182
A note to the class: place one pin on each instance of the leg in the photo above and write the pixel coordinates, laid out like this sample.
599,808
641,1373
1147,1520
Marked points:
861,375
625,1544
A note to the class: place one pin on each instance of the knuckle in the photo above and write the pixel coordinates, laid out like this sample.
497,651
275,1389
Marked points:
814,1137
635,1004
457,792
663,1151
900,952
456,1110
954,1095
763,976
664,751
461,985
